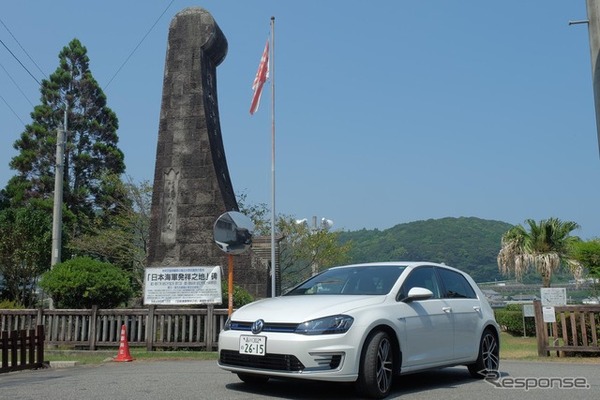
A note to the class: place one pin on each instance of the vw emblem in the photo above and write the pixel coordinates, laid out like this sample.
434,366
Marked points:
258,326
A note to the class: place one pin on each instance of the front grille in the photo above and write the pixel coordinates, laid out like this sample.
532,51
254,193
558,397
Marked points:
274,362
268,327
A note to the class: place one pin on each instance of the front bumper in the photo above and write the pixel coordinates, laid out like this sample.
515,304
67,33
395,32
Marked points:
290,355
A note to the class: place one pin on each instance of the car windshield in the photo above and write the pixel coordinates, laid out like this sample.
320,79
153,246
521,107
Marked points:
359,280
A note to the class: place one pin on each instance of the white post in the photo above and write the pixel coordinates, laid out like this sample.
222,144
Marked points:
272,68
593,13
58,197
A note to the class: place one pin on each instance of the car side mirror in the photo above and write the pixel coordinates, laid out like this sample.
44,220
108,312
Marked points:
418,293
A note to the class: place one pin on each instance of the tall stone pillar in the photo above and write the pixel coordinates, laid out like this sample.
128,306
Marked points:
192,187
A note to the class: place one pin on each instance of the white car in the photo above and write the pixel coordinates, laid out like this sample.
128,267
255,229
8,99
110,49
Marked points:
364,323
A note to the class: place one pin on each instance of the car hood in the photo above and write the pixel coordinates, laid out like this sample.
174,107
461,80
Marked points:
298,309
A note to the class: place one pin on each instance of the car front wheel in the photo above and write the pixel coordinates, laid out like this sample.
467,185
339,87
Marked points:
488,360
376,369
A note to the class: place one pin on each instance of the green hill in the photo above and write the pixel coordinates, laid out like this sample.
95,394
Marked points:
470,244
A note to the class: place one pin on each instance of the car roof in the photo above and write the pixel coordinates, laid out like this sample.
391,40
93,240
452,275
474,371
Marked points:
408,264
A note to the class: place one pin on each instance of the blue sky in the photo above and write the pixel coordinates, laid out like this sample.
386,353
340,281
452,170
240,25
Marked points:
386,111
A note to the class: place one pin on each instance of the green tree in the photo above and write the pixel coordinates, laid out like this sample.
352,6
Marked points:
83,282
125,241
545,247
92,163
25,243
588,254
303,250
306,250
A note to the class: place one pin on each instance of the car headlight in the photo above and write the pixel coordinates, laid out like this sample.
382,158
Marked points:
227,325
325,326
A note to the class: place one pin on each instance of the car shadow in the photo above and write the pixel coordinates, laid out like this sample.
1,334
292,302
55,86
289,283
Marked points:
298,389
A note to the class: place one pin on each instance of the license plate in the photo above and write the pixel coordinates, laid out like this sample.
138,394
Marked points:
254,345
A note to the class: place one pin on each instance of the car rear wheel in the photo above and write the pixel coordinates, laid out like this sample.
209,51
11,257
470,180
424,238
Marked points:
488,360
252,379
376,368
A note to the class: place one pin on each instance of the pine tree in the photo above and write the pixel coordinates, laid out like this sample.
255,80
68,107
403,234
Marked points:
93,162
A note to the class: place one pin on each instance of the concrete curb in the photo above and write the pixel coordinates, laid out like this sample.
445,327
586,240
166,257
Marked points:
63,364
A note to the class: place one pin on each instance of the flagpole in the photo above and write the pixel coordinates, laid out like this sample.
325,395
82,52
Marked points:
272,61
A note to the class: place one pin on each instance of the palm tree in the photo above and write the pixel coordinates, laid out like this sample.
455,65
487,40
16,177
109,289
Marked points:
545,247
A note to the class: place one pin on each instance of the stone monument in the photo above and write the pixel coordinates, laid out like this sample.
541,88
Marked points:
192,187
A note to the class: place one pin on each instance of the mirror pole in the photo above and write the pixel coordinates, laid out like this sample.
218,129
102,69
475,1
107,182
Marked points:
230,283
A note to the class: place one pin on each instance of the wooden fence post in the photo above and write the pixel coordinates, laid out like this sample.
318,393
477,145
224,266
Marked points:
31,346
39,339
14,343
40,316
540,329
4,338
92,333
150,328
210,316
22,346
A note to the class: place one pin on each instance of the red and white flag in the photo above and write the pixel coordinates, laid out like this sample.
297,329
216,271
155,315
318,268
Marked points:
259,80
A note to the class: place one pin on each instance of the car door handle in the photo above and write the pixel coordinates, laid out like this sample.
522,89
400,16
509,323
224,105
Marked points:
447,309
477,308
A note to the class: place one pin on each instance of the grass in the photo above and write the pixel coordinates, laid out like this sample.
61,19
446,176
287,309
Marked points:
517,348
511,348
525,349
99,356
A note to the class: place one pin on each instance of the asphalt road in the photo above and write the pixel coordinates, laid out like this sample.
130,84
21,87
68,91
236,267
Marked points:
194,380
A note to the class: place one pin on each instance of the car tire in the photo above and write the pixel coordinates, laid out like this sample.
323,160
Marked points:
488,358
376,366
252,379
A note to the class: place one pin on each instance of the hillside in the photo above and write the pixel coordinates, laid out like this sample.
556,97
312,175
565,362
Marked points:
468,243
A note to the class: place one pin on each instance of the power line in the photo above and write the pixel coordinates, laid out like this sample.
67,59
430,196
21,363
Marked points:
19,61
11,109
11,78
17,85
138,45
22,48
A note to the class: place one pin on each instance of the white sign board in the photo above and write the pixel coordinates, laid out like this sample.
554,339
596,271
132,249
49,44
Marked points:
528,310
182,285
553,296
549,314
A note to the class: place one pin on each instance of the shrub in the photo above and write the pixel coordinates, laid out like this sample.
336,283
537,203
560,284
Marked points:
240,295
510,320
10,305
83,282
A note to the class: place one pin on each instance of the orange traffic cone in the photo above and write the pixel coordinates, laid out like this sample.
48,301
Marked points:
123,347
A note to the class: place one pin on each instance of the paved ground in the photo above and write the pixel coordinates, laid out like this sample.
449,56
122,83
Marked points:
194,380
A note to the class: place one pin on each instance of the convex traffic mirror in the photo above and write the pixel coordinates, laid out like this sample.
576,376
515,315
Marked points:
233,232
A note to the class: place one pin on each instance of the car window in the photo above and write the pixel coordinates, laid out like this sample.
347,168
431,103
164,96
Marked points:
455,285
423,277
363,280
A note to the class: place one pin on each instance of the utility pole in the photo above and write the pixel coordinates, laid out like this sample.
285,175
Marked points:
593,22
61,134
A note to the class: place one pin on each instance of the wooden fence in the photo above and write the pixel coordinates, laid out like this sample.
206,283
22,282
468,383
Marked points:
575,329
23,349
150,327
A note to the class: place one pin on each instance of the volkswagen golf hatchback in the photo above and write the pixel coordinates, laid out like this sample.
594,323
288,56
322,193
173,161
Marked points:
364,323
